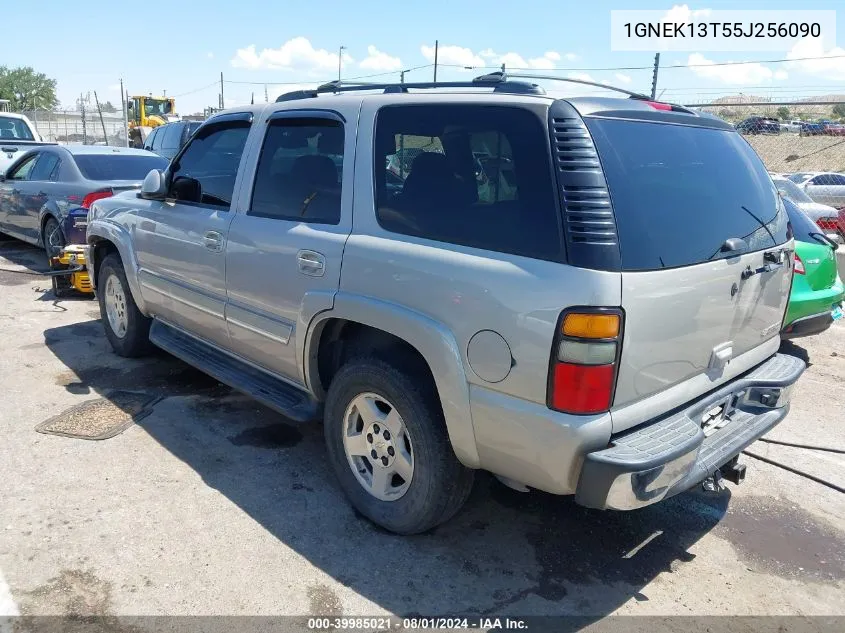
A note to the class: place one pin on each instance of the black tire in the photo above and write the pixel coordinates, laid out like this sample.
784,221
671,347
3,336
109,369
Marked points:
440,484
136,340
52,238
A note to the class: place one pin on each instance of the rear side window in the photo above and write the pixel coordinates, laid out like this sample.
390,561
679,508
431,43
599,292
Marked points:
679,192
116,166
471,175
45,168
825,180
170,137
14,129
299,171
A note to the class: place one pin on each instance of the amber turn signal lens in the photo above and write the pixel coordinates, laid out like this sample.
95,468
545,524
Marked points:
591,325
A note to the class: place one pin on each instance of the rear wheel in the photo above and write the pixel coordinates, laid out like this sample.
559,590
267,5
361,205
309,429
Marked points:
388,444
126,328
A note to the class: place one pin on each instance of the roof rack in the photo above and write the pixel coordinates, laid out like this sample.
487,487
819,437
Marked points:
499,81
498,85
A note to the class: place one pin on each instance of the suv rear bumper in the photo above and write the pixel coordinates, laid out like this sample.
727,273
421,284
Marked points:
665,457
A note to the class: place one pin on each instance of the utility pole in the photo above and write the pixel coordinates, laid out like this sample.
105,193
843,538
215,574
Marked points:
222,101
266,98
84,129
123,107
436,47
339,61
102,122
654,77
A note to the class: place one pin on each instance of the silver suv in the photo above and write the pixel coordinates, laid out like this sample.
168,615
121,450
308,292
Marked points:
593,311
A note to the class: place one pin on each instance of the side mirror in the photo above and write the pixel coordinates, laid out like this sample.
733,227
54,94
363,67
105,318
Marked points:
155,185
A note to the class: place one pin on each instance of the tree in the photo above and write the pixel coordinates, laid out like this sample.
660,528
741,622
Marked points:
27,89
107,107
783,113
839,110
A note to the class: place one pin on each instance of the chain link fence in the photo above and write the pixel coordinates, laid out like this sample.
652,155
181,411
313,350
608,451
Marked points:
790,136
75,127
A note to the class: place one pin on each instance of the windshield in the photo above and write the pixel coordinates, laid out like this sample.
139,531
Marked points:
790,190
117,167
13,128
679,192
158,107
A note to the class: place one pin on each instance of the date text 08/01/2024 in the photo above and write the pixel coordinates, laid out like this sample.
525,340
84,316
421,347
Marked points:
722,29
416,624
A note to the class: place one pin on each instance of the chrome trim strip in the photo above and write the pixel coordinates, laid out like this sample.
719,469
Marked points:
181,300
256,330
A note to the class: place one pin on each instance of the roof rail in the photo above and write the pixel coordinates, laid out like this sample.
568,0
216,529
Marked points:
499,84
508,76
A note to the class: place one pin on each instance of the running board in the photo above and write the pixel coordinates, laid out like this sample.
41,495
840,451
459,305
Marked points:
269,391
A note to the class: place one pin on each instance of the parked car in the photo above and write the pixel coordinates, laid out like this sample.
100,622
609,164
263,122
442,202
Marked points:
759,125
824,187
825,216
817,290
166,140
609,330
791,126
811,129
45,194
834,129
17,136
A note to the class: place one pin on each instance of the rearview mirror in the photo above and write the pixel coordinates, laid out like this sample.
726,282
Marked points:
155,185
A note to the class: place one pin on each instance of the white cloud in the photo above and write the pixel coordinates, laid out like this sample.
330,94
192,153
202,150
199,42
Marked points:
625,79
552,55
830,63
209,55
488,53
682,14
377,60
781,75
748,74
295,54
453,55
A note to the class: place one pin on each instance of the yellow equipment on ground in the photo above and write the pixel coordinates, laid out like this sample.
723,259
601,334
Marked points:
145,113
69,273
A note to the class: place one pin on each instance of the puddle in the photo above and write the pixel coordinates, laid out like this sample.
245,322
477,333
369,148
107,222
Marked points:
271,436
782,538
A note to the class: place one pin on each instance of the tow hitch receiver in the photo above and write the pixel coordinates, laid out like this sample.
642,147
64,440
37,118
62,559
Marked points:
733,471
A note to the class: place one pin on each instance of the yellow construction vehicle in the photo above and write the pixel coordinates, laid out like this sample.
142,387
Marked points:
145,113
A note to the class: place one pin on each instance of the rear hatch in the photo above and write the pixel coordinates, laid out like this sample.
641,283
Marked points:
697,220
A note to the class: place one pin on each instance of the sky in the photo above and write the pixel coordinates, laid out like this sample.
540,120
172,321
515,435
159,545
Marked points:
182,47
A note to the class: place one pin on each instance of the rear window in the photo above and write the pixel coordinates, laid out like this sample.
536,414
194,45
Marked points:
14,129
679,192
469,175
117,167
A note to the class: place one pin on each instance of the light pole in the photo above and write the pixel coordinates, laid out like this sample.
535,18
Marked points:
339,61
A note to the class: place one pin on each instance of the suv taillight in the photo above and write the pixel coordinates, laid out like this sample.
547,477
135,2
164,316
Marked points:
798,266
585,358
90,198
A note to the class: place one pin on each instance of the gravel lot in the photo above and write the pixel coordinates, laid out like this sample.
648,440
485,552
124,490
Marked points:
211,504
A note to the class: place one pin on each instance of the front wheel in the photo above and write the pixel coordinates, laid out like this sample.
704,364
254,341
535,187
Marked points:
387,441
126,328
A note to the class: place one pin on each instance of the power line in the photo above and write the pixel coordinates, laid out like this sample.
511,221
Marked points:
299,83
190,92
651,67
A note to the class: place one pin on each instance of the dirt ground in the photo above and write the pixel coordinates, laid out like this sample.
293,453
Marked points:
210,504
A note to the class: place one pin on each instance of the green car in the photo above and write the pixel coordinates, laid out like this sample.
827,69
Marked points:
817,291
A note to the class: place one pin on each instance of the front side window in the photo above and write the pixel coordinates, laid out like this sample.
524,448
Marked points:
14,129
826,180
206,171
471,175
22,171
170,136
300,171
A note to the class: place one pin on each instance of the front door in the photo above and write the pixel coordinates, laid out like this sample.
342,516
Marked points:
15,200
180,242
286,242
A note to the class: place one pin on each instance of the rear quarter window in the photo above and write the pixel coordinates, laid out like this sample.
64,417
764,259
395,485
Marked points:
678,192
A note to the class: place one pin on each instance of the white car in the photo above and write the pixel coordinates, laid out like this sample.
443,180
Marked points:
816,211
17,136
825,187
791,126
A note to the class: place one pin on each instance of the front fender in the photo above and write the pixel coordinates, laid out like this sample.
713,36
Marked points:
430,338
99,230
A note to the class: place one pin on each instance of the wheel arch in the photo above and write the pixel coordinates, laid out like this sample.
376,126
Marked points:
108,238
384,323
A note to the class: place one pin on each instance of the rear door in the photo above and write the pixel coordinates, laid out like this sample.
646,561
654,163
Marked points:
285,245
827,189
696,215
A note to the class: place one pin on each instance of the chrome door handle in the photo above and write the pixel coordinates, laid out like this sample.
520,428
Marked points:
311,263
213,240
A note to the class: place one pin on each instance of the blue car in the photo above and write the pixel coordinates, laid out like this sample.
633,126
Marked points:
45,194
